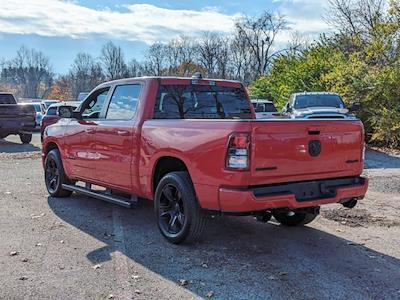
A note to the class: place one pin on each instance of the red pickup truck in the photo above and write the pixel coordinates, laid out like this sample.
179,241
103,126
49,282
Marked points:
193,146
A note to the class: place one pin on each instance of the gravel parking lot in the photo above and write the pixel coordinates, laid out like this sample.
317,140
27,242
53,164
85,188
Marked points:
82,248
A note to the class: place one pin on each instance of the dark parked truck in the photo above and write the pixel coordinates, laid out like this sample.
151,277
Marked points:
16,119
194,147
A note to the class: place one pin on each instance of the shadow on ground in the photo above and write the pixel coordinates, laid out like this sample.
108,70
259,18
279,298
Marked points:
378,160
240,258
15,147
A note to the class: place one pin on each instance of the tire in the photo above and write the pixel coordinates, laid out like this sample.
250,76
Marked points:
298,219
25,138
55,176
179,216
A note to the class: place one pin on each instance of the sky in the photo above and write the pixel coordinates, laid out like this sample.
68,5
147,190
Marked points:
61,29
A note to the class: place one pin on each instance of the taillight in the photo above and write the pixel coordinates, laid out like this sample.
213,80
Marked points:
238,154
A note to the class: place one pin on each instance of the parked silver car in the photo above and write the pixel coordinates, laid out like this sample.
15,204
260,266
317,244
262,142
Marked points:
313,105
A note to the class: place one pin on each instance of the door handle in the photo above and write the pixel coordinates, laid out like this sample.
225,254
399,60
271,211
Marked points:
123,132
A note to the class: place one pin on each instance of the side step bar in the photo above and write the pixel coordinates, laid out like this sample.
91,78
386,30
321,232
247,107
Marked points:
99,195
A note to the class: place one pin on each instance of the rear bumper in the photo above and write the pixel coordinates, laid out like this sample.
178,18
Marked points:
10,128
292,195
25,130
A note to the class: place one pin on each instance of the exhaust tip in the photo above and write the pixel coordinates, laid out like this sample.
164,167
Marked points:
351,203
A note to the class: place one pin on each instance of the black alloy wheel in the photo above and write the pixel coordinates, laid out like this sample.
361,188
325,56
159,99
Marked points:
171,210
54,175
179,215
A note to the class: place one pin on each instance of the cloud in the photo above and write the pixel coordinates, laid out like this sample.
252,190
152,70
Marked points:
138,22
144,22
305,16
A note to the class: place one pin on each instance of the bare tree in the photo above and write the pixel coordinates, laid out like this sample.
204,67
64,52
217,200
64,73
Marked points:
181,56
208,52
259,34
155,62
31,71
241,60
113,61
356,17
135,69
85,74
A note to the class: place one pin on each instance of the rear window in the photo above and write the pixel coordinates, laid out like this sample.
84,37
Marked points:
201,102
7,99
264,107
52,111
304,101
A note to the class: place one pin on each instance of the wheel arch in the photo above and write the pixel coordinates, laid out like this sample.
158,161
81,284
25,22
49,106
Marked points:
50,146
165,165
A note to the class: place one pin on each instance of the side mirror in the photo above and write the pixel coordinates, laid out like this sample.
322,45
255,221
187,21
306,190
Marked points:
76,115
355,106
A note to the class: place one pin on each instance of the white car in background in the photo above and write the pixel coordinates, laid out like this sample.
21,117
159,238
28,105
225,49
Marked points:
265,109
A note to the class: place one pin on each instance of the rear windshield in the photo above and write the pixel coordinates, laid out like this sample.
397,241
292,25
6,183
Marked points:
7,99
201,102
264,107
304,101
51,111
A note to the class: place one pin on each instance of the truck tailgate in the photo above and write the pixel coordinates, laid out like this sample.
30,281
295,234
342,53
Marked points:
14,116
305,150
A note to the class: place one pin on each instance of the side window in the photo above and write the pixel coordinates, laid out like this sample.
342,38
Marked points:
94,105
123,102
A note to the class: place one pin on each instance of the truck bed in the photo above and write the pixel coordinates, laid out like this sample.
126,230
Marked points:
280,151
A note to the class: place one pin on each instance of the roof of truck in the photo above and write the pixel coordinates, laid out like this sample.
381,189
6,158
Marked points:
315,93
148,78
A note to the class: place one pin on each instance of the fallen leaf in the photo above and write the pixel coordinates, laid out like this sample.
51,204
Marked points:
183,282
38,245
136,277
37,216
14,253
23,278
25,260
62,242
283,273
210,294
355,244
98,266
138,292
111,296
204,265
339,230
